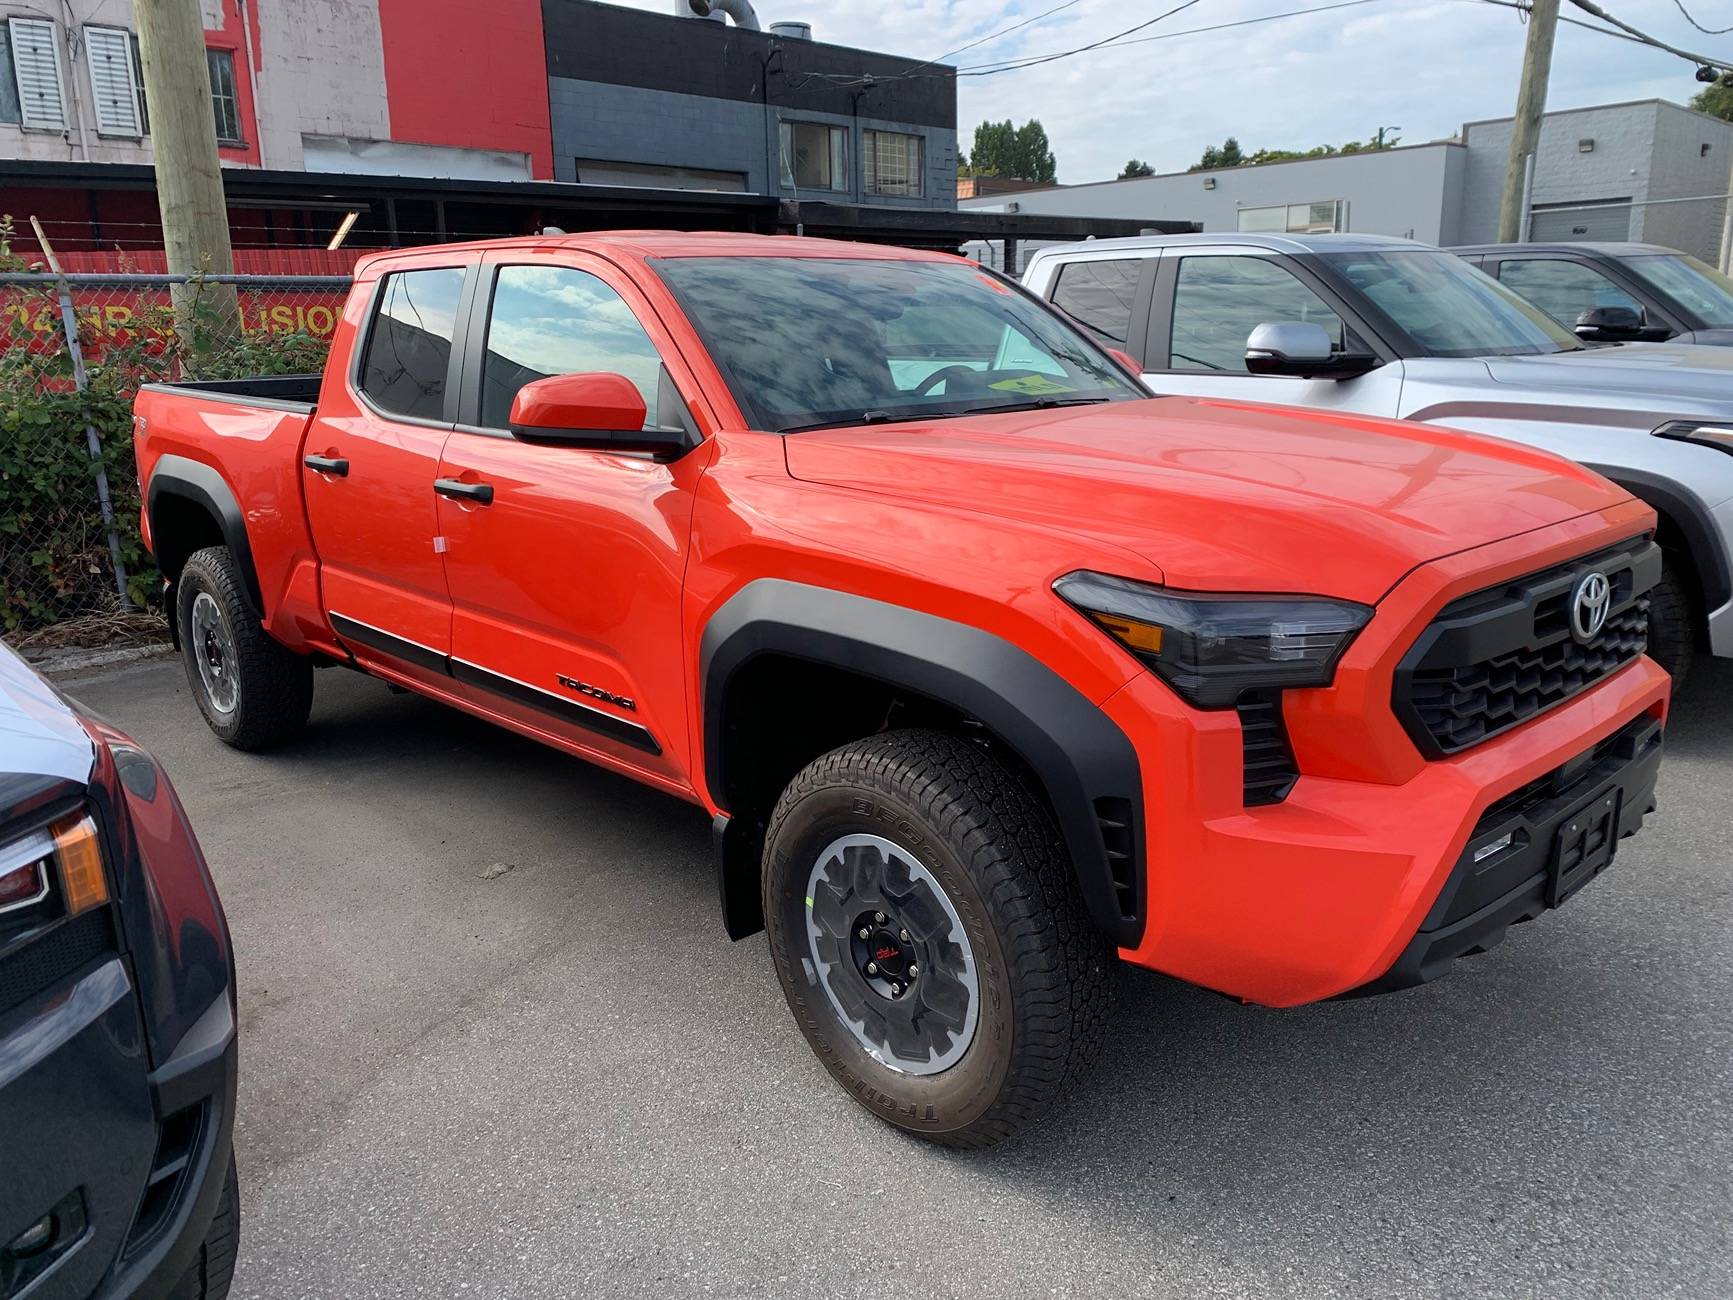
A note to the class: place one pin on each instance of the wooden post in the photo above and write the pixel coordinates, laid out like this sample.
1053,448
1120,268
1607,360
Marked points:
1530,104
189,178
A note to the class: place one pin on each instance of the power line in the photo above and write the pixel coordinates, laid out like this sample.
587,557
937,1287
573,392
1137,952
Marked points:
1707,31
1244,22
1003,31
1012,66
1702,60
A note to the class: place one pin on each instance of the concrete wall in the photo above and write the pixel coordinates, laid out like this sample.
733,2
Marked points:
1645,153
322,72
1403,191
617,123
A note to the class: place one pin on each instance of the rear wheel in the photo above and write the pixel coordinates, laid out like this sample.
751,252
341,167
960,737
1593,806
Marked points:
927,930
1672,625
254,692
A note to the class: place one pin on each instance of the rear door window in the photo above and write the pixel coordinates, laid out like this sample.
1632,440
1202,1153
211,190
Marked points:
1100,296
409,342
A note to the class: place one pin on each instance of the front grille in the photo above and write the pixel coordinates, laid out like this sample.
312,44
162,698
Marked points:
1270,769
42,963
1501,656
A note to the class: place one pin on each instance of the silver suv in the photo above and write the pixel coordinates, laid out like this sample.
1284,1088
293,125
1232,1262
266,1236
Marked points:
1394,328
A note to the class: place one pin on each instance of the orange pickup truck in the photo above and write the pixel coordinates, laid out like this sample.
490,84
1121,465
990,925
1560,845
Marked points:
987,664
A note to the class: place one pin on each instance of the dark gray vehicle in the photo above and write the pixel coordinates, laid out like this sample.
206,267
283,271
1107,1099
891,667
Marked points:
1616,293
117,1019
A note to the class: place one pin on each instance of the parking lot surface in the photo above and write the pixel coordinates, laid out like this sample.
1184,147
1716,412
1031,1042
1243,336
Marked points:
561,1079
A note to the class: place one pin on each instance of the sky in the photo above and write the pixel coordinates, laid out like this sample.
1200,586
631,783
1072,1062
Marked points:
1426,66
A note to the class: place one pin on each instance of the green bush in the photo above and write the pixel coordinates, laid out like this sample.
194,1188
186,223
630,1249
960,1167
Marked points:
54,558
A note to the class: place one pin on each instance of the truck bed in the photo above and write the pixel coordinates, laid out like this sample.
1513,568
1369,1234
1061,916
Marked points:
273,392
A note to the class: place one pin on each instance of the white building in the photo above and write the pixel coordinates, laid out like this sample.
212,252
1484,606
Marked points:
1648,170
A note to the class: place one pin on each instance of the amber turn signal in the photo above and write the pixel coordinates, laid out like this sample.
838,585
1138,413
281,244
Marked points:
78,847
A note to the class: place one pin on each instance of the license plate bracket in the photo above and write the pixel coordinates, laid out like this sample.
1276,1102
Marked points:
1583,845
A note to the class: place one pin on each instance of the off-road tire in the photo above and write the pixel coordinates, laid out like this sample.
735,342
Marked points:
274,691
1672,625
214,1270
990,843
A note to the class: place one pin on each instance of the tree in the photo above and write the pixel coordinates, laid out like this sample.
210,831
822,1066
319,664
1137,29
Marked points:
1136,167
1716,101
1035,161
1022,152
1227,154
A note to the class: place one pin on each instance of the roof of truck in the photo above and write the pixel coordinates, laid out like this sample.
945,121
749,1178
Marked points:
1608,249
1241,239
671,243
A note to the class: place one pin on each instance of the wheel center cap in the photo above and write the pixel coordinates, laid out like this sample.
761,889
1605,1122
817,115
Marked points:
885,958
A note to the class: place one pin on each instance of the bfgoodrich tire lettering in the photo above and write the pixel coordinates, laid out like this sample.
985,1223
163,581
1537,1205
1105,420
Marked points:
1039,969
254,692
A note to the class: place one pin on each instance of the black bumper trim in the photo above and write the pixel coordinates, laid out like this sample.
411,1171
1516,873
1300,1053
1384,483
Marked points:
1481,901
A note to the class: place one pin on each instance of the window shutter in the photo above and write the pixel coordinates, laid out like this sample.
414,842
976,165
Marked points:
108,51
36,60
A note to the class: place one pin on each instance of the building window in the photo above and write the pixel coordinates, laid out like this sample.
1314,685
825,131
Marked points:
1319,218
814,156
108,53
8,78
891,163
37,74
223,100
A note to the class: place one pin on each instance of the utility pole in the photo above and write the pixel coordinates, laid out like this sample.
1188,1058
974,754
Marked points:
1530,104
189,178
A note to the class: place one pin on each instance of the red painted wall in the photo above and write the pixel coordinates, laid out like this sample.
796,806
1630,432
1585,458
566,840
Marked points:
467,75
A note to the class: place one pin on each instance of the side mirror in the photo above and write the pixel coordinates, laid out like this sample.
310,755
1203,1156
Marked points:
1610,324
594,410
1301,350
1125,359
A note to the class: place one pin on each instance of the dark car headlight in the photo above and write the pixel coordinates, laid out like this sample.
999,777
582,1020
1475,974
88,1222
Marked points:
1719,436
54,870
1212,647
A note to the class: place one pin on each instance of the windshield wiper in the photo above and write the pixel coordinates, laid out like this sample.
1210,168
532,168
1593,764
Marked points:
879,416
1037,404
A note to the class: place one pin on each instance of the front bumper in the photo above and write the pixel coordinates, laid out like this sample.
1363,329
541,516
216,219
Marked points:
130,1161
1326,891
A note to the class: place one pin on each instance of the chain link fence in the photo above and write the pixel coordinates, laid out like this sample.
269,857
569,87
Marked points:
73,351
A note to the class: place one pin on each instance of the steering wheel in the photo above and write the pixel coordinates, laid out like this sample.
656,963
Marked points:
940,376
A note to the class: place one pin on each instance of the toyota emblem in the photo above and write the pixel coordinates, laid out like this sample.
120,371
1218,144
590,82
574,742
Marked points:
1589,603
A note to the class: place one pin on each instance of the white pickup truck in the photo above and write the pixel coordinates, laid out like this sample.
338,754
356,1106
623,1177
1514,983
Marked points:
1389,327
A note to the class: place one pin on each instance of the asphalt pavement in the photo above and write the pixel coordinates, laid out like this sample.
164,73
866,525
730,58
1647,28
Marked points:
494,1043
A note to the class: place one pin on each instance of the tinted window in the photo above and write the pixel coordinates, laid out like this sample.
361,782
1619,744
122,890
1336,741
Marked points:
808,341
1100,295
1563,290
1219,301
1697,287
556,320
409,345
1448,308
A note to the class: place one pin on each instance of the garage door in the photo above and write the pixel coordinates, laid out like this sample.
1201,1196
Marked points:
1609,222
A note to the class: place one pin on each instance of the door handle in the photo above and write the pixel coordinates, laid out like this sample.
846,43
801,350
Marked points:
480,493
327,465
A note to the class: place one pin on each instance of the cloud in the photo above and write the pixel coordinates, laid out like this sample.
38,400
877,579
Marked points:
1426,66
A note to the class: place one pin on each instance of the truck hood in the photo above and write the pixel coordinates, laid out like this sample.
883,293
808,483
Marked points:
1220,495
41,739
1642,379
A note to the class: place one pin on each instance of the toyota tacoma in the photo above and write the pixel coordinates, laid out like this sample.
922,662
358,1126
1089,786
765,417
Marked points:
986,665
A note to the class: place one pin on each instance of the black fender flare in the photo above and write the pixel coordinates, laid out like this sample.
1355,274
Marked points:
1693,520
191,480
1079,755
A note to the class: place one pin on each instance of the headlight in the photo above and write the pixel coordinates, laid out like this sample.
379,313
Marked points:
1210,648
55,870
1719,436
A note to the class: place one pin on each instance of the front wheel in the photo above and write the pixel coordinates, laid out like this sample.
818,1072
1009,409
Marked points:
926,926
1672,626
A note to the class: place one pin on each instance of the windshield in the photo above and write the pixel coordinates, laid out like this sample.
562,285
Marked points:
1699,288
806,342
1449,308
